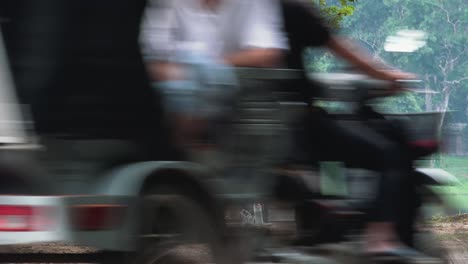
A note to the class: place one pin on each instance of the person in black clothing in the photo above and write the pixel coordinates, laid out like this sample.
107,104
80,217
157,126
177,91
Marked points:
321,138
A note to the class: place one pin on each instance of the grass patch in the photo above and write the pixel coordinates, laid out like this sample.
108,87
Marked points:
455,196
437,219
452,236
458,166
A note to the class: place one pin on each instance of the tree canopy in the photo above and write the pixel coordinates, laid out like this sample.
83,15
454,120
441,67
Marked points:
442,63
336,10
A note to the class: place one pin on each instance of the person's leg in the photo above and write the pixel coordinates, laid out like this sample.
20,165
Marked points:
397,198
181,101
359,146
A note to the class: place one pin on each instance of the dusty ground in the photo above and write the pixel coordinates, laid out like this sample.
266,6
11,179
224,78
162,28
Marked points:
451,232
45,248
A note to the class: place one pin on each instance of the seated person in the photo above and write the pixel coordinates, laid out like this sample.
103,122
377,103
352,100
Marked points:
190,44
321,138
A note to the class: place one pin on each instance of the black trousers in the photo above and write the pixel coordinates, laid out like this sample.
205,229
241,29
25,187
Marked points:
372,145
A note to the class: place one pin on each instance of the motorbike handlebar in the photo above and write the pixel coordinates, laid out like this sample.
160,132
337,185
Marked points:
358,87
334,86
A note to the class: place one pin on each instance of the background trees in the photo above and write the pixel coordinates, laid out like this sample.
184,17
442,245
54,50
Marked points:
442,63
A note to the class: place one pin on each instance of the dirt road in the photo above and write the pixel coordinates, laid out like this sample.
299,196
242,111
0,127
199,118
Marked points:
451,232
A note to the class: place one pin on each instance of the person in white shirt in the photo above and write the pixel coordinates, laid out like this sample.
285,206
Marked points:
212,33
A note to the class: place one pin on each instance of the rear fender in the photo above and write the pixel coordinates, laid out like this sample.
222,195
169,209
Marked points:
129,180
436,177
187,178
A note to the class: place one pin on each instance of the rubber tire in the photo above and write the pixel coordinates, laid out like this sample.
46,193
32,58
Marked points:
194,220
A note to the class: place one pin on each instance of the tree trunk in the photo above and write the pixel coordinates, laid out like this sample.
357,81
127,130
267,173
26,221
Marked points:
443,106
428,95
428,100
466,109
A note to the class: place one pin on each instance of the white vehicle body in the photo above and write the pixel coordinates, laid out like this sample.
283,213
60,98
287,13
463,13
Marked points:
56,217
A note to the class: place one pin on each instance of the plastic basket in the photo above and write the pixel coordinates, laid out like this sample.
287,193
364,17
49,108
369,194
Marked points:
420,127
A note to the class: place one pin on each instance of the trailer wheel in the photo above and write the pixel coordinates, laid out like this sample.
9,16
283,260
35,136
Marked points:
170,221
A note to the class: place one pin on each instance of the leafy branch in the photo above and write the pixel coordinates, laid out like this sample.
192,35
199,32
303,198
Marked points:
335,13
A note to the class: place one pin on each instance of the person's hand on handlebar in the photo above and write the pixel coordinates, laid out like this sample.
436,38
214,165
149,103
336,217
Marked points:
397,79
395,75
364,62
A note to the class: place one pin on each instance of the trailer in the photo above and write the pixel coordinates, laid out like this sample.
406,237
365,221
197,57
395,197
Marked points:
63,191
94,193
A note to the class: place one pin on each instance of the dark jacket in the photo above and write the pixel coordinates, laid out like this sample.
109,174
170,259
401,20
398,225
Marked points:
304,28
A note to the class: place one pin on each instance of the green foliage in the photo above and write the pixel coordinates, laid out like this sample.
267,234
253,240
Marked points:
336,11
321,61
407,103
454,196
442,64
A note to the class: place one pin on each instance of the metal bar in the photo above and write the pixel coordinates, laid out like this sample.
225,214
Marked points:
268,74
159,236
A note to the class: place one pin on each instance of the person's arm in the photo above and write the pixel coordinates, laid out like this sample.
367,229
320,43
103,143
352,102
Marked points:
255,57
262,41
316,33
164,71
363,61
157,41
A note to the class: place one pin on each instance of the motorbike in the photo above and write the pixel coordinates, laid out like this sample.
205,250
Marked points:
329,202
250,160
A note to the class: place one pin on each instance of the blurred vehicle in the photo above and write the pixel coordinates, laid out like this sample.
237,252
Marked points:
254,151
333,208
91,180
87,165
